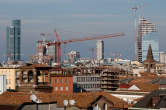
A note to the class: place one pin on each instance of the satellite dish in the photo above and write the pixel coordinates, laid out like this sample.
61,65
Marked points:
72,102
38,101
33,98
65,102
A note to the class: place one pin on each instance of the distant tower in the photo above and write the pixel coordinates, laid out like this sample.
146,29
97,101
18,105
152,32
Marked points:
147,34
73,56
13,41
100,49
149,63
135,29
51,51
163,57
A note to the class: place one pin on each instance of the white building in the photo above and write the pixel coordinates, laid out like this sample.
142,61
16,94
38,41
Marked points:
163,57
2,83
73,56
100,49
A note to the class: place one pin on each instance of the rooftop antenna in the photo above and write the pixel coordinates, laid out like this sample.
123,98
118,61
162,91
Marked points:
71,102
33,98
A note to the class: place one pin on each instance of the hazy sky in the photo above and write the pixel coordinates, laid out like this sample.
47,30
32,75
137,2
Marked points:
80,18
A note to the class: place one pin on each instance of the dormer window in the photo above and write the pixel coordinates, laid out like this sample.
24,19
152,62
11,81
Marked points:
105,106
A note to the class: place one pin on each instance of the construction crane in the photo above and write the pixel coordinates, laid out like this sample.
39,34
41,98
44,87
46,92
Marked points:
59,42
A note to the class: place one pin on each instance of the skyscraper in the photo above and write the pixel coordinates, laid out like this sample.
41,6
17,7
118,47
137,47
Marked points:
51,51
100,49
147,34
73,56
13,41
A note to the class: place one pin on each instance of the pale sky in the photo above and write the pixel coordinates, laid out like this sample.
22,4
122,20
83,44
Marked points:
80,18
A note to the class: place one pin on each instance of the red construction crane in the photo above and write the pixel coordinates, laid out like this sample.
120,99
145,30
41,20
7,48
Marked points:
58,47
59,42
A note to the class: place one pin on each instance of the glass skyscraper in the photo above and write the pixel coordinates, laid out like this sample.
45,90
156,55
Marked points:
51,51
13,42
147,34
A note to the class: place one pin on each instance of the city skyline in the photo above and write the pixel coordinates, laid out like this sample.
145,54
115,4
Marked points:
101,17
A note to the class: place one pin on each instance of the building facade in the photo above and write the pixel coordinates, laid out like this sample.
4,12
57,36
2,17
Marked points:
110,79
31,78
163,57
100,49
2,83
87,83
10,74
13,41
73,56
147,34
61,83
51,51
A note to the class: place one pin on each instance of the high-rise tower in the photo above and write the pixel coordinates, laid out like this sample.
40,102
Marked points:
13,41
100,49
147,34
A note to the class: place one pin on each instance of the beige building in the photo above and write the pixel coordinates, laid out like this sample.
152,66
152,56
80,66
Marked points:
25,77
160,68
10,73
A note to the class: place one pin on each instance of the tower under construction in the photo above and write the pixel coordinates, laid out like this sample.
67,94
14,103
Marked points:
147,34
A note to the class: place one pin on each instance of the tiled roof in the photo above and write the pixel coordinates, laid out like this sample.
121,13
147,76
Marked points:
146,102
82,99
8,107
147,87
142,79
126,80
143,83
124,86
34,66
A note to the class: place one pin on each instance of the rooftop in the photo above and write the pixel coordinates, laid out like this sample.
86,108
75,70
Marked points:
83,100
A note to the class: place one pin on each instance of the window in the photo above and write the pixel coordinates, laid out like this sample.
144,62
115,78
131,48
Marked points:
61,80
67,88
97,107
66,80
56,88
78,79
9,81
105,106
61,88
56,80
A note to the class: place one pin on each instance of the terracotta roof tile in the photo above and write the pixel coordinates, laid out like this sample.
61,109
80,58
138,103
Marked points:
82,99
147,87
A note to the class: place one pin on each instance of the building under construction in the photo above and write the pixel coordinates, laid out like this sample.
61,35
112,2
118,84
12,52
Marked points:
109,75
109,79
45,54
147,34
